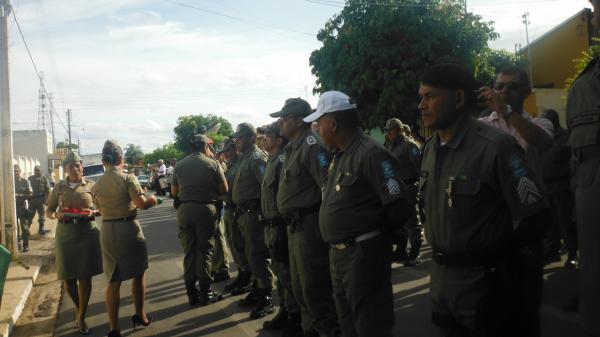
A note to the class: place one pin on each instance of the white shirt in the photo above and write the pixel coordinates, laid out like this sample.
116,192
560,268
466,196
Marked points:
162,169
533,155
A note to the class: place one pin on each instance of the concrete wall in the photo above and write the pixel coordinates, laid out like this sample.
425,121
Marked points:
31,148
554,52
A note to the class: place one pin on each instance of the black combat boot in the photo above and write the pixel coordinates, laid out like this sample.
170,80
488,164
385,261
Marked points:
25,245
243,278
252,298
245,285
413,258
280,320
208,296
264,304
294,326
192,293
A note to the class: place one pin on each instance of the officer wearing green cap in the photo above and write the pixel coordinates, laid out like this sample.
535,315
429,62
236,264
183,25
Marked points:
77,243
246,195
483,205
198,181
235,239
288,317
40,187
364,200
22,193
583,122
408,153
298,200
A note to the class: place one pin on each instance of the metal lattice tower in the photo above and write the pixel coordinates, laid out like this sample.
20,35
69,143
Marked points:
42,121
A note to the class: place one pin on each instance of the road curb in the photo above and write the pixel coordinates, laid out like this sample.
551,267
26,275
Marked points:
18,287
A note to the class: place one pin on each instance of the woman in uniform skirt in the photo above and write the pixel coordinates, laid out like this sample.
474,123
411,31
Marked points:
118,195
77,243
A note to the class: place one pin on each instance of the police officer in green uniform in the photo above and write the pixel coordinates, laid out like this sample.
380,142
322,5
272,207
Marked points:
37,204
246,195
298,200
235,240
276,240
408,153
22,193
364,199
583,122
197,182
483,206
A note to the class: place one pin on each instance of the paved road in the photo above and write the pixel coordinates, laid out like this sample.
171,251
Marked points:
167,302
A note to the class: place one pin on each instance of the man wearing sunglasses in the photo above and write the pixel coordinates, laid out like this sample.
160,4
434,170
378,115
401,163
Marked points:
506,99
583,122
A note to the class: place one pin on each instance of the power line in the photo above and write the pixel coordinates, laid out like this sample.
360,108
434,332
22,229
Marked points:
250,22
37,72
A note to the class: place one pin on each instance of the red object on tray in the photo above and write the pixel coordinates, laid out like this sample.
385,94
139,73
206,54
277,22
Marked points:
75,213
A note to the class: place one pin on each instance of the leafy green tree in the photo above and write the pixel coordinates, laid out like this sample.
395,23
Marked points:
586,56
133,154
166,152
491,61
187,126
65,145
376,51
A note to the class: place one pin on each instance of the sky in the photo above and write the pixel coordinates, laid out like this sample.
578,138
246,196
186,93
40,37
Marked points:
128,69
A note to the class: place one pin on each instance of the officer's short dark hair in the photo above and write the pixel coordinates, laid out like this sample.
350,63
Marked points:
519,71
197,146
452,76
346,119
111,155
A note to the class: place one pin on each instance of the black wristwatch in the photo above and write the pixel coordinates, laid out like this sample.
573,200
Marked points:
507,112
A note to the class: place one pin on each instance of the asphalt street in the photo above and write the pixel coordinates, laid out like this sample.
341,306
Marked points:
167,301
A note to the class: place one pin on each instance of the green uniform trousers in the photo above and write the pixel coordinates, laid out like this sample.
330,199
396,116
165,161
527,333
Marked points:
256,251
311,282
235,240
362,288
220,259
276,240
38,205
197,224
587,181
24,222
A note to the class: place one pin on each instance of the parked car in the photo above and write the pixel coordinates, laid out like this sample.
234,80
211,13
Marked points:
144,180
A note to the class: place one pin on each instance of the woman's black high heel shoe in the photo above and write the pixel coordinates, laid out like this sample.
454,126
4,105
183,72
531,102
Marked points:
114,333
135,320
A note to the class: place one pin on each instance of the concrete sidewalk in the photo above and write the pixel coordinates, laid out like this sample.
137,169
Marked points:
19,282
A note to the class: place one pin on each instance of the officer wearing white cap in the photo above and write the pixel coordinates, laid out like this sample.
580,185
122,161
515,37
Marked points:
364,199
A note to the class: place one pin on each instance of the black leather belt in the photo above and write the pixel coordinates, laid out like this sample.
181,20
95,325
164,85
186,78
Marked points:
212,202
76,220
360,238
129,218
462,260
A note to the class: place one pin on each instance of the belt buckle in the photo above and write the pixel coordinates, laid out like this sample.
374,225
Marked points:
341,245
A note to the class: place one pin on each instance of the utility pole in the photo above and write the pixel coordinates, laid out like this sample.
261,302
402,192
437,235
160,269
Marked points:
526,21
78,146
52,112
69,128
8,214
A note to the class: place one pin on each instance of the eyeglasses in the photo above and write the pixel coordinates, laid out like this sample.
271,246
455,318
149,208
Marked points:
510,86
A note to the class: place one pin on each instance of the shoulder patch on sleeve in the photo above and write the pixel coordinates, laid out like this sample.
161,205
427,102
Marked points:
282,158
414,151
255,155
388,169
517,166
322,158
311,140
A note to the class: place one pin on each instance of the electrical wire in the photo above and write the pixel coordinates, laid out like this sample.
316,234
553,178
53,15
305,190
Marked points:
37,72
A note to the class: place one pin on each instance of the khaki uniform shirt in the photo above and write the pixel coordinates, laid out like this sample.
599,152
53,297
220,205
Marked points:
22,186
230,176
270,185
302,174
114,193
249,176
408,153
65,196
473,188
39,185
198,178
362,180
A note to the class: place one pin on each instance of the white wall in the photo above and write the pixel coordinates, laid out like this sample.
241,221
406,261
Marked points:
31,148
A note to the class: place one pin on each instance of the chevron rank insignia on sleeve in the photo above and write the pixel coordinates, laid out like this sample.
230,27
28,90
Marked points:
528,191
